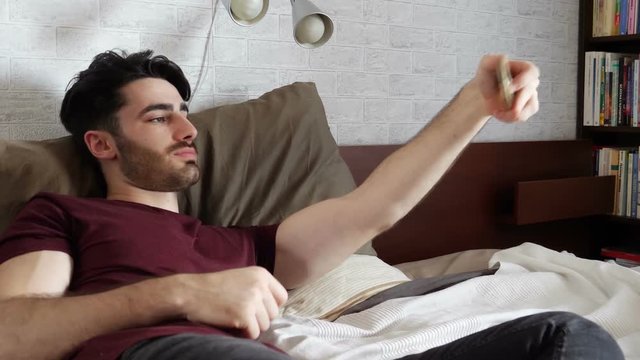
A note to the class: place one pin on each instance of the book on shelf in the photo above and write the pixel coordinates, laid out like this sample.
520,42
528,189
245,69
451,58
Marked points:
623,164
623,256
611,89
615,17
622,193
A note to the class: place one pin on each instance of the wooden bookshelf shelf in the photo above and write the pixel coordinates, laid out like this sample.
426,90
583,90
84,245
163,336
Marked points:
612,136
565,198
613,129
608,229
623,220
614,39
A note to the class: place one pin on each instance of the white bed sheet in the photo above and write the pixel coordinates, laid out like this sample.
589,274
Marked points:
531,279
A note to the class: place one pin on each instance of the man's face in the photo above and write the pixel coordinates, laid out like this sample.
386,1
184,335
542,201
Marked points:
155,144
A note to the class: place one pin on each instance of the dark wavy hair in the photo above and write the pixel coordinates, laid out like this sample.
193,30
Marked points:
93,96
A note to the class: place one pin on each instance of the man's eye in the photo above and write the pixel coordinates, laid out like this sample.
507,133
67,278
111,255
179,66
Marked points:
160,119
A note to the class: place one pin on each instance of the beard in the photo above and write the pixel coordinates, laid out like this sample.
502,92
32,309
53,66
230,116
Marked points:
154,171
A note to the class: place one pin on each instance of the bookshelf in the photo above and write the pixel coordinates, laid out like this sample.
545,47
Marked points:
610,230
602,136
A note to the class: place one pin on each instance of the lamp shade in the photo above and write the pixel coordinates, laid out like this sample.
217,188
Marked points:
311,27
246,12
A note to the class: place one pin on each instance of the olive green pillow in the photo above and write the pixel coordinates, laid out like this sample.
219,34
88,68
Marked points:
264,159
29,167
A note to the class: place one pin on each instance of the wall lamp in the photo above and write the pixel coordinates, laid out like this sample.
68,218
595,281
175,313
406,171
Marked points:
311,27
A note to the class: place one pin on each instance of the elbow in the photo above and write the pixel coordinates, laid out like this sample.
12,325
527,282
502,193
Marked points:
386,219
375,214
8,348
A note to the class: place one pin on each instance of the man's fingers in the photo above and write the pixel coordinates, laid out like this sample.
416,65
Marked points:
262,318
271,306
524,73
530,108
253,330
279,292
522,98
520,113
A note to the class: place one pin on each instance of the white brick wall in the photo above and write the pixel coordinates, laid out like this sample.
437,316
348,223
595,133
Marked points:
43,74
59,12
277,54
4,73
135,15
389,68
79,43
326,81
4,13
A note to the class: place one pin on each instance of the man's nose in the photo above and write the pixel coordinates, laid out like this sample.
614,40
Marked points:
185,130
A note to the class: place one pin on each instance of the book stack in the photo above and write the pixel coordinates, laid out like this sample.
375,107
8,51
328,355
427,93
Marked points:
623,164
615,17
622,256
611,89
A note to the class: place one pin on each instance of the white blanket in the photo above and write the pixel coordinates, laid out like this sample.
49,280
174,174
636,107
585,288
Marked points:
531,279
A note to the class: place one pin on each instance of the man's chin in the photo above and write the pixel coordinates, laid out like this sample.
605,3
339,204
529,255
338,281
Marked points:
196,176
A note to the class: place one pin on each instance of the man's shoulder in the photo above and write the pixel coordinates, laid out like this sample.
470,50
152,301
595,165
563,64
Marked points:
60,198
61,201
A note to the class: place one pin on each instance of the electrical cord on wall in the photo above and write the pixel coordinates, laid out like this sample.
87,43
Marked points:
204,67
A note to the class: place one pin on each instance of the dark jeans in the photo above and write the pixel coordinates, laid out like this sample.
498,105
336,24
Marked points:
551,335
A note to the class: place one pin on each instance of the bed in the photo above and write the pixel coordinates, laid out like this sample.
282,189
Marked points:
466,226
525,208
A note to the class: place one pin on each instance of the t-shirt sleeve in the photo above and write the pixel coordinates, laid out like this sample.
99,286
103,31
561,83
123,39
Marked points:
265,245
40,225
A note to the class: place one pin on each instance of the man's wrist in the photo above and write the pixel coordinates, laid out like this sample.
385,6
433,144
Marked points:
471,95
156,299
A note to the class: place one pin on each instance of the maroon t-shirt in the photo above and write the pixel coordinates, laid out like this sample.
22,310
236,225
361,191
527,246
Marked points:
115,243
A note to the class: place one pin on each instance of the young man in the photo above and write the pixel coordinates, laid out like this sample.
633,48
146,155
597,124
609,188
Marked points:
127,277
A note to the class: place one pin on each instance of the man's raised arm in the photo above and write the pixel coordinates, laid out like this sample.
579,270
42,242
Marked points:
317,238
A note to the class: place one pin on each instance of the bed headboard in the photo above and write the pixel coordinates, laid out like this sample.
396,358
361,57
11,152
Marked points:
473,206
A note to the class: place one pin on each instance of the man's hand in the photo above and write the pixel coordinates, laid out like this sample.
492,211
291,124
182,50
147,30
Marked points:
52,327
246,298
524,86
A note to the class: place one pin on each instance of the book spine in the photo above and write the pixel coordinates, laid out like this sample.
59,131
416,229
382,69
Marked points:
631,24
595,98
597,6
614,83
622,27
614,163
604,159
629,192
637,24
628,91
636,73
587,107
595,29
634,185
616,18
609,17
609,69
620,254
637,174
602,88
618,92
622,190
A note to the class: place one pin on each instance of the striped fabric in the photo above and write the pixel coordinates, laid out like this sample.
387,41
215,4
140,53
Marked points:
531,279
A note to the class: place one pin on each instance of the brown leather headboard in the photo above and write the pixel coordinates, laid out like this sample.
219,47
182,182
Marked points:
472,206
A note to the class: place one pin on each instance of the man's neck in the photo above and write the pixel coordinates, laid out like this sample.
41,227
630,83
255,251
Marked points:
162,200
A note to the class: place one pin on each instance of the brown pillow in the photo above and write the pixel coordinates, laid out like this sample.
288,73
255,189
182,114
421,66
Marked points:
29,167
260,160
264,159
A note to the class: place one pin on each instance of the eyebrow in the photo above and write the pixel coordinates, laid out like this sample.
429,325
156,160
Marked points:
166,107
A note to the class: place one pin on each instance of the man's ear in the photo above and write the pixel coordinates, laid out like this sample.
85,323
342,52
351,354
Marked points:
101,144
